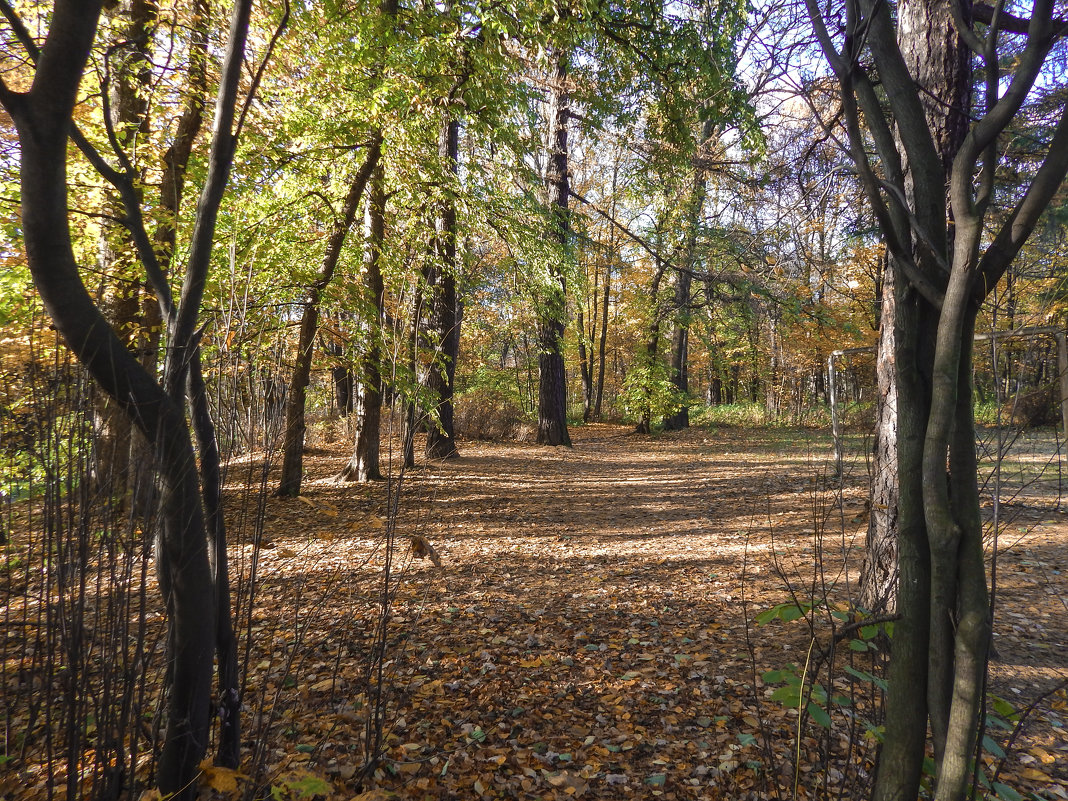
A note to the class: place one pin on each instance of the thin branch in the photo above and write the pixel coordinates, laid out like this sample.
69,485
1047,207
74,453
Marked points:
258,77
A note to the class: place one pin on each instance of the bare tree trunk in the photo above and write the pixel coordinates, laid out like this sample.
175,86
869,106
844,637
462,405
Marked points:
585,365
120,296
552,312
603,341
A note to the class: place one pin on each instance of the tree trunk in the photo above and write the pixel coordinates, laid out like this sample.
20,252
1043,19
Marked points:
552,308
652,349
442,320
879,576
680,335
295,426
364,464
120,297
585,365
603,341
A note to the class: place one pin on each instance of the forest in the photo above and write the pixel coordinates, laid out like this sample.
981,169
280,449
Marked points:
491,399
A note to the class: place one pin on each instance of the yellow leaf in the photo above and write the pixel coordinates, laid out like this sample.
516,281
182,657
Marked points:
1046,757
371,795
1033,775
223,779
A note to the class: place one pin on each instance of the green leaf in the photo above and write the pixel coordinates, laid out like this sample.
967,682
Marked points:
304,748
746,739
789,696
1005,792
992,747
819,714
309,787
767,616
656,780
792,612
858,645
1002,707
863,675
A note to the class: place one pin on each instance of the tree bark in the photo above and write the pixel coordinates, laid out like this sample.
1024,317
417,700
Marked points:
879,576
552,307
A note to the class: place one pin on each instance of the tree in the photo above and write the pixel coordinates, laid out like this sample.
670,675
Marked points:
364,464
552,385
293,439
443,322
945,264
43,118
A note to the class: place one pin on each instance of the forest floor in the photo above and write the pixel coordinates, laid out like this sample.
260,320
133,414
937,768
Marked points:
592,630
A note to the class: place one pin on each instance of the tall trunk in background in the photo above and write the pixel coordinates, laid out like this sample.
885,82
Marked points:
552,306
680,335
120,297
652,346
364,464
295,427
602,343
586,355
442,324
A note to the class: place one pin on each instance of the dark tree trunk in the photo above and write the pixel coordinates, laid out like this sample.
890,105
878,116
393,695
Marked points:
344,389
442,320
552,311
295,426
228,753
586,364
364,464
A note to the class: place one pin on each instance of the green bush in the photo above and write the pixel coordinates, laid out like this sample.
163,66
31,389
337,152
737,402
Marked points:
647,388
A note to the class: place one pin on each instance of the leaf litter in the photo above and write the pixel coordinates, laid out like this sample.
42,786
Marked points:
581,624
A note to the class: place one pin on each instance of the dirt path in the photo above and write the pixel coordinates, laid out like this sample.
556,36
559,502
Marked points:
589,632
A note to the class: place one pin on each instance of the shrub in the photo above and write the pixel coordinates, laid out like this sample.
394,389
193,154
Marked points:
490,413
